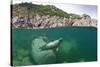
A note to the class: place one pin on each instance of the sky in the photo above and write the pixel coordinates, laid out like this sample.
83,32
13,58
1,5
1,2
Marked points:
69,8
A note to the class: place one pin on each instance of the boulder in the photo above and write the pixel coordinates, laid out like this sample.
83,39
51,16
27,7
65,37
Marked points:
40,56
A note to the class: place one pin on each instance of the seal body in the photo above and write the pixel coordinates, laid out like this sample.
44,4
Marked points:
51,45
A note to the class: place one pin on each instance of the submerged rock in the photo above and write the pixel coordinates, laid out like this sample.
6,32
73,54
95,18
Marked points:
42,56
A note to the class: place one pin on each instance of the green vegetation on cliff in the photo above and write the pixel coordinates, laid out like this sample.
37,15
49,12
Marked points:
29,9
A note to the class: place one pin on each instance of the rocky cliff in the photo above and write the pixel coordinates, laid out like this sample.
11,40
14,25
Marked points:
86,20
48,21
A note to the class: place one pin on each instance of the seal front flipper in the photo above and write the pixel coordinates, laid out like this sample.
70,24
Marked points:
57,49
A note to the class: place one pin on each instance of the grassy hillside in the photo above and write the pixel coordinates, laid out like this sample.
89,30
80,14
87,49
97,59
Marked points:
29,9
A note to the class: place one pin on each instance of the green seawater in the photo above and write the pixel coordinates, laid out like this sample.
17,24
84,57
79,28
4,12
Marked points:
79,44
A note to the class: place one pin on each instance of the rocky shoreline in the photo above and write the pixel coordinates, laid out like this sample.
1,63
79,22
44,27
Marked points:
47,21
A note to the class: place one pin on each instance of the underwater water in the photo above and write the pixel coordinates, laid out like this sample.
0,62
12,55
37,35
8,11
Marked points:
79,44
